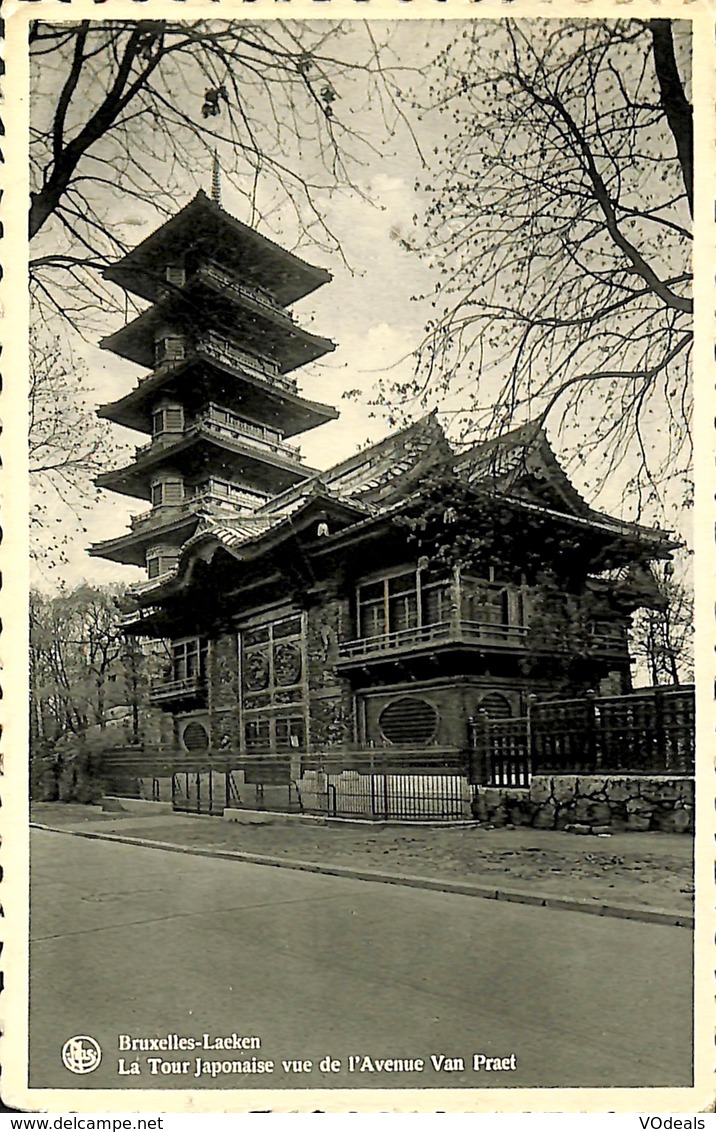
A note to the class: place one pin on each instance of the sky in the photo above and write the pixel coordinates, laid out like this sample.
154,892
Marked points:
367,313
369,309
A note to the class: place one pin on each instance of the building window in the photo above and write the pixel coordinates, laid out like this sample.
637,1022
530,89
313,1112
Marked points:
189,659
195,737
167,418
258,736
171,348
176,275
403,601
272,685
408,720
495,705
419,599
290,734
167,493
491,603
160,562
372,615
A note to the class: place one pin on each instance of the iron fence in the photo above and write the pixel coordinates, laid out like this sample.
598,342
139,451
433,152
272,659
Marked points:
428,784
645,732
651,731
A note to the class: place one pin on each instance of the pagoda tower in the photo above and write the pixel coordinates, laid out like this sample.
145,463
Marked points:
221,397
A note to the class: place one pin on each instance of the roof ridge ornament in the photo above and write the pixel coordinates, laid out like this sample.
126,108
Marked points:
216,180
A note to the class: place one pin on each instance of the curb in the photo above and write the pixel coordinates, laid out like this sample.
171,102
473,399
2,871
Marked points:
646,914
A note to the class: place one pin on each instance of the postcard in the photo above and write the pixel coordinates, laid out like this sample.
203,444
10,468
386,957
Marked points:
358,556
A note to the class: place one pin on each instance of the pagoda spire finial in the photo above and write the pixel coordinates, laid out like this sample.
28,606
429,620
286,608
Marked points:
216,180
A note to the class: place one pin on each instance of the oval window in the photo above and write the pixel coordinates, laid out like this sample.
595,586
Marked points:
195,737
408,720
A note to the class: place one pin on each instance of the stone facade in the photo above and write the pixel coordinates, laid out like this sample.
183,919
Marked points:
592,804
330,696
223,692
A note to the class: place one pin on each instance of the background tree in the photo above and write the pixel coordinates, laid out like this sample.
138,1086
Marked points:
662,639
68,445
559,229
83,666
132,111
89,684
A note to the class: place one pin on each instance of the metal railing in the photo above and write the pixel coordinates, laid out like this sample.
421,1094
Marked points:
427,784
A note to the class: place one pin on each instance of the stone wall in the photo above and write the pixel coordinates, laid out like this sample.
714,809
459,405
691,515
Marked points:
593,803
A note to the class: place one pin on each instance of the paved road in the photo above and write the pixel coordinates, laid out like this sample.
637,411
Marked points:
145,943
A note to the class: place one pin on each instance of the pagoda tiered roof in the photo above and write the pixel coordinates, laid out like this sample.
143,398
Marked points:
205,449
202,225
130,548
204,376
201,303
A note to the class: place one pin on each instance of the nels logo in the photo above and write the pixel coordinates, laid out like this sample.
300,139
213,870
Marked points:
81,1054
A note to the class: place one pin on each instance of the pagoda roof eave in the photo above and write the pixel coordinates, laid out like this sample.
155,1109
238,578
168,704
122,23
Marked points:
359,525
659,541
135,340
387,447
269,535
129,549
127,410
597,521
532,439
131,479
291,277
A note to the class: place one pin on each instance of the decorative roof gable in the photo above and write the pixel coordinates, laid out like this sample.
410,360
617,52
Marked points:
522,463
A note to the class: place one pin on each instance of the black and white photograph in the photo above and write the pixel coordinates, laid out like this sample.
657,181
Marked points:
362,554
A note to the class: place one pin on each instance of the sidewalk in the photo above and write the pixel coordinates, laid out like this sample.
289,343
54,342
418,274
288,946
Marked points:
639,873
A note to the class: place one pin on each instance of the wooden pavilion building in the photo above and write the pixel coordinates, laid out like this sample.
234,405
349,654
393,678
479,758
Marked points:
337,627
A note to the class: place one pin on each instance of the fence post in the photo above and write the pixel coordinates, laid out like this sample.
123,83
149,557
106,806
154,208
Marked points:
480,741
531,761
660,731
594,748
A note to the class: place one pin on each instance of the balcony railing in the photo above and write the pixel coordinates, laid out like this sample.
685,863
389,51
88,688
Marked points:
164,513
467,632
218,274
227,424
223,350
170,512
265,368
177,691
223,423
602,638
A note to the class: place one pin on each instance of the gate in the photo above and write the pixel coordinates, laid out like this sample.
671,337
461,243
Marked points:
203,791
501,751
407,797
